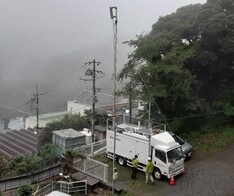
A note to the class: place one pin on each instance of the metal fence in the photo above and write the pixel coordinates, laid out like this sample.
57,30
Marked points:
92,149
17,181
5,173
90,166
62,186
93,168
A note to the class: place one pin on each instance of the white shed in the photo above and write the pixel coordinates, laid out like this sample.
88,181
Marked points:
68,139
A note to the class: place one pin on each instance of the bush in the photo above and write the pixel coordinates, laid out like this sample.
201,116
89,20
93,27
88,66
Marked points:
25,190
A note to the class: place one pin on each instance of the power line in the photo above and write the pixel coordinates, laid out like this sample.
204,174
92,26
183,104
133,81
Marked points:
54,85
15,108
67,77
200,115
151,97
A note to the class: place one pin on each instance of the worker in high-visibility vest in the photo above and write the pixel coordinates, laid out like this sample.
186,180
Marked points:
148,171
134,167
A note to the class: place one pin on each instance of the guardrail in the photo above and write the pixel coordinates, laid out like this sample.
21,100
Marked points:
62,186
17,181
93,148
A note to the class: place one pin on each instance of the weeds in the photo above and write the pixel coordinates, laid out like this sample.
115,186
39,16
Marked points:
207,142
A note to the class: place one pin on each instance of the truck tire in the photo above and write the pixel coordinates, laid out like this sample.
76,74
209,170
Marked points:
157,174
121,161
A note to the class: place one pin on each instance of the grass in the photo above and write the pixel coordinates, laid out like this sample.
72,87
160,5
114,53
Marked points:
209,142
124,178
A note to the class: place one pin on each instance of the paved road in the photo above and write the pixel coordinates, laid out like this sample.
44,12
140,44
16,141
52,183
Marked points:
210,177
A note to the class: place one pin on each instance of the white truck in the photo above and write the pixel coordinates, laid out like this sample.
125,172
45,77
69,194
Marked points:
164,151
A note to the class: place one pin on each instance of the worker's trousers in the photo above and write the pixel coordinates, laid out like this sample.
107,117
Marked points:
148,176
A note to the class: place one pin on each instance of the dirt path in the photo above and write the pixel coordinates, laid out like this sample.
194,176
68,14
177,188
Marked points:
211,176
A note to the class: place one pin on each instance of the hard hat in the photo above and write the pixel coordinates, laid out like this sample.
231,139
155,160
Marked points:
149,158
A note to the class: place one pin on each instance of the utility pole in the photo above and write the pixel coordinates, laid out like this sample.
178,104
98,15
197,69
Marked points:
113,15
130,101
37,108
149,126
35,101
92,72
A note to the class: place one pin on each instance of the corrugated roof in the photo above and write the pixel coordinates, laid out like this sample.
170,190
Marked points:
17,143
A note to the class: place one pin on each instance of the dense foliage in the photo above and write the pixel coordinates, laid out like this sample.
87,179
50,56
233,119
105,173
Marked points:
100,116
25,190
68,160
73,121
50,155
22,165
185,65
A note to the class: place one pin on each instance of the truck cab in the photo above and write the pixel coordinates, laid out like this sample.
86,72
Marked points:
167,156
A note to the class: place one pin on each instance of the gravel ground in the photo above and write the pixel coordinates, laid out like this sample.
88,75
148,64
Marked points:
205,178
213,176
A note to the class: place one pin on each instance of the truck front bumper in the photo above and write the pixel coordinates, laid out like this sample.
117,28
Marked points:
176,172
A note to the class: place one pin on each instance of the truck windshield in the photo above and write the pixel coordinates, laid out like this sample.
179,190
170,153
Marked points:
175,154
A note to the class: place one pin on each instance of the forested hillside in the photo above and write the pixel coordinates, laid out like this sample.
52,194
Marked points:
185,66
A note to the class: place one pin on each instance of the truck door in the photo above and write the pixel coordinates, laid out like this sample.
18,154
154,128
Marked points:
160,161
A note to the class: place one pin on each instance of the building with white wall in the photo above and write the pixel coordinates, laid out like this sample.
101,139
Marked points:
2,123
16,123
31,121
74,107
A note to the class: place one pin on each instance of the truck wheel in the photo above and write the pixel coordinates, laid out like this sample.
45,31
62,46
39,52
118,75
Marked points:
121,161
157,174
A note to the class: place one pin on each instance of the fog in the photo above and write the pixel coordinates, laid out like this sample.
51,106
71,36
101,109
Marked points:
46,43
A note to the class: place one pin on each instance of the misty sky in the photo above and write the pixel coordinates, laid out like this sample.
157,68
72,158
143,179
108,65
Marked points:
43,41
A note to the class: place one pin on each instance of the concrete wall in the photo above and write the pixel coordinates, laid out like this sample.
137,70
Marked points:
31,121
74,107
16,123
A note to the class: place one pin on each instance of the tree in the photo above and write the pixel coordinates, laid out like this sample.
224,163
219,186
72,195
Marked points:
68,160
74,121
100,117
50,153
22,165
3,166
25,190
185,64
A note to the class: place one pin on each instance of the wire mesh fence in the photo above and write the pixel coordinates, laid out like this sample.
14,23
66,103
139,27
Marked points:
93,167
